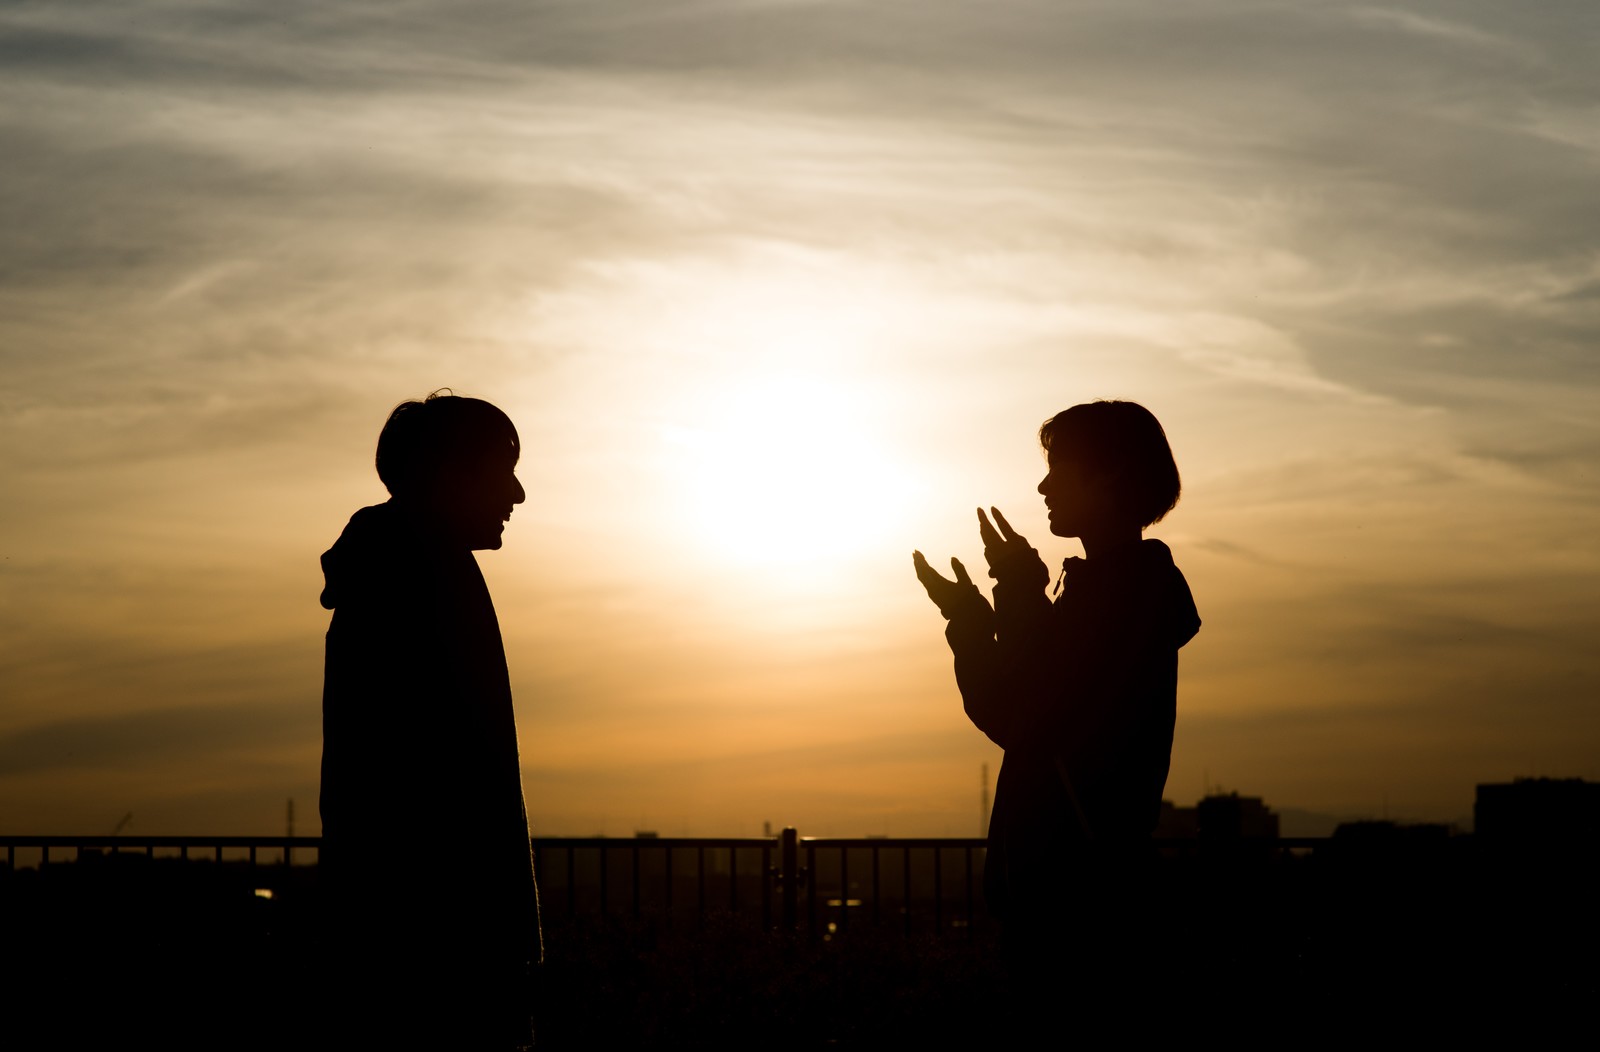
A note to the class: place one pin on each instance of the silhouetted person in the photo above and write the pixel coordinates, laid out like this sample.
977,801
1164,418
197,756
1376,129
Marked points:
1081,695
433,910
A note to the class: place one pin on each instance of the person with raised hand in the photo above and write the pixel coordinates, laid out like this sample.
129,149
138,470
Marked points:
1081,694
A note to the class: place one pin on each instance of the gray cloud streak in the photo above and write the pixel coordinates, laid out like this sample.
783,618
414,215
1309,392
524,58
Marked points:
149,738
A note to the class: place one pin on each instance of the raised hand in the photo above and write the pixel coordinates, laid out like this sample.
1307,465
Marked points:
1008,552
951,597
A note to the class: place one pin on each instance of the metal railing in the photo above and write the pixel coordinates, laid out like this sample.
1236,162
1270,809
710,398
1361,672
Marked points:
780,876
968,873
826,882
716,861
148,845
829,883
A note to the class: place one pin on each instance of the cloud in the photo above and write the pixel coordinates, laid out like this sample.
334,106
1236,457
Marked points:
1445,31
1346,251
1573,464
151,738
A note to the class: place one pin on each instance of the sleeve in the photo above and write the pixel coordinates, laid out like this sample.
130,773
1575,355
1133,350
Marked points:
1000,659
1064,678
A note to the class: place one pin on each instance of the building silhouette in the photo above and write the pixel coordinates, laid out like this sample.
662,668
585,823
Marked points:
1385,831
1547,810
1235,817
1220,816
1177,823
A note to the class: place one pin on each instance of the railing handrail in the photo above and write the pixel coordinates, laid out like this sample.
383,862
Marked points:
187,840
660,841
831,877
913,842
124,840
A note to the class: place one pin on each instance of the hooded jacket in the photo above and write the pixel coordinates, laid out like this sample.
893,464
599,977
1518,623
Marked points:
1082,696
422,808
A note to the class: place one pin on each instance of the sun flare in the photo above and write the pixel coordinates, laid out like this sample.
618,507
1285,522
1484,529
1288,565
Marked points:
775,416
786,471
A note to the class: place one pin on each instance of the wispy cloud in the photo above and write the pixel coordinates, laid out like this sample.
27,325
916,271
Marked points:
151,738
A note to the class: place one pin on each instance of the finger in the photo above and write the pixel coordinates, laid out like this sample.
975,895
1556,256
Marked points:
1005,527
961,572
986,532
930,578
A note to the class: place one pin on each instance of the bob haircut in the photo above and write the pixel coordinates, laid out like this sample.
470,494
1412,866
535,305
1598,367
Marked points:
1123,446
443,433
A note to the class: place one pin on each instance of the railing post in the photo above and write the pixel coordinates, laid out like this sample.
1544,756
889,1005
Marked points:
844,887
905,894
768,876
789,876
636,880
811,890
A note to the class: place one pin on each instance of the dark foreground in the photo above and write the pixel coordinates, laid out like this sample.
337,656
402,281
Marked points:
1252,947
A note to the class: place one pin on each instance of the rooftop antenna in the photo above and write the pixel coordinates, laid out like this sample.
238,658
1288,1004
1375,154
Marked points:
122,823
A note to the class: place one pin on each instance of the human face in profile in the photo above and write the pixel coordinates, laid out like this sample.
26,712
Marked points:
1072,495
479,497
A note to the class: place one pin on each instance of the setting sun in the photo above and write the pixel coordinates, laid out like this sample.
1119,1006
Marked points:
784,470
768,382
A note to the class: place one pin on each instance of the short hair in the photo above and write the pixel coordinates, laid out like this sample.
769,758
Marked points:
1123,444
444,431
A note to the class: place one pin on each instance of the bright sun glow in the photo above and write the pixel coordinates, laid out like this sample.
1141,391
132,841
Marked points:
775,442
774,389
786,471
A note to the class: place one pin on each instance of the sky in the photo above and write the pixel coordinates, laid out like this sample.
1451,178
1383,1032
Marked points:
777,292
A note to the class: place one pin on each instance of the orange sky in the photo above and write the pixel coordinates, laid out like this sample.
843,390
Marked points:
777,292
